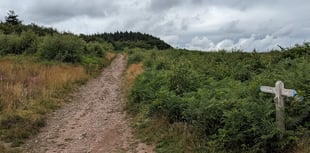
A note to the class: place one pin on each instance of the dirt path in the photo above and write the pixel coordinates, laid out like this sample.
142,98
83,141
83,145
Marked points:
94,121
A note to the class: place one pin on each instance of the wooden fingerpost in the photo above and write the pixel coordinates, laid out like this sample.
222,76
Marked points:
279,92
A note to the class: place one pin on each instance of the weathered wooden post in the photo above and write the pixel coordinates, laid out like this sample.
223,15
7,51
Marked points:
279,91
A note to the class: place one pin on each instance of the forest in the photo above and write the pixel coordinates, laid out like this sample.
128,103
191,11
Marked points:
184,101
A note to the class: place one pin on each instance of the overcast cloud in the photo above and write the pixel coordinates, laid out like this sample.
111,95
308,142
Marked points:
191,24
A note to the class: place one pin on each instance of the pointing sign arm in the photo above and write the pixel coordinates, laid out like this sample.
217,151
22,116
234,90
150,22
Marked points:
284,92
289,92
267,89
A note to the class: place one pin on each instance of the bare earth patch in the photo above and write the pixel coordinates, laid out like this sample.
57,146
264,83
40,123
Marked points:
94,121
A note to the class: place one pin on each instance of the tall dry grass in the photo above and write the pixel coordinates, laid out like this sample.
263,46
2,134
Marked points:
30,89
132,72
303,145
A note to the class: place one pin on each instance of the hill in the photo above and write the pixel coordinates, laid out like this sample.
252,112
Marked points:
122,40
32,39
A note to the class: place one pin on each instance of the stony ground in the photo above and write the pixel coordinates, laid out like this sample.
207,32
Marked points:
93,122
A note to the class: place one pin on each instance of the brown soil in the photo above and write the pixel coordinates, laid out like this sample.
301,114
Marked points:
93,121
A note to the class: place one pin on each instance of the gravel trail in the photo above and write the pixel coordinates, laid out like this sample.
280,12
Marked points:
93,122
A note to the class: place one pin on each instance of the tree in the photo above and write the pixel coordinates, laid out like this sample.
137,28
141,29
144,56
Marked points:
12,18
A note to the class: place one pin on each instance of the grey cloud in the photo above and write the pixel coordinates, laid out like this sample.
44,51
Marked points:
266,43
284,31
232,27
161,5
238,4
58,10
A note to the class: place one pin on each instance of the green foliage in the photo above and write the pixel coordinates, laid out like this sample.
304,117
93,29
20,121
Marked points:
98,49
49,45
136,57
94,64
18,127
17,44
64,48
183,79
298,51
30,41
122,40
217,95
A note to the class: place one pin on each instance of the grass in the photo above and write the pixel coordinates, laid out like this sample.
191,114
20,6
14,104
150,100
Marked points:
157,131
303,146
94,65
168,138
148,130
133,71
131,74
30,89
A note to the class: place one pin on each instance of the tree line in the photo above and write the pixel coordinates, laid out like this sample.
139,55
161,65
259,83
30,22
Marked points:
119,40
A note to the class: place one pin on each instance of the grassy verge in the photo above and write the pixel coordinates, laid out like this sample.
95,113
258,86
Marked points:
30,89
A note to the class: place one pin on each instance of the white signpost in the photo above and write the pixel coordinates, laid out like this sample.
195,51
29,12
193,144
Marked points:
279,91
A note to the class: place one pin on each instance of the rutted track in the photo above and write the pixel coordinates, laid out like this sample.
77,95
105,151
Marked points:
94,121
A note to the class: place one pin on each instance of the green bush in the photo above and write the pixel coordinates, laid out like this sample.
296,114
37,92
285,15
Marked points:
11,44
135,57
17,44
183,79
64,48
30,41
95,49
93,64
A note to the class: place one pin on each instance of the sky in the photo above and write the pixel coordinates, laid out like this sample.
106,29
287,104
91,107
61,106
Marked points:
192,24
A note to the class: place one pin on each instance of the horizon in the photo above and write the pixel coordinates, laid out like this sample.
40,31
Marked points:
204,25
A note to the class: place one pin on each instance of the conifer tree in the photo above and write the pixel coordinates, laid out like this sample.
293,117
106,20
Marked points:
12,18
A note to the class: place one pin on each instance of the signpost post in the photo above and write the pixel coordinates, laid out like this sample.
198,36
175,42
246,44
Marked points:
279,92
